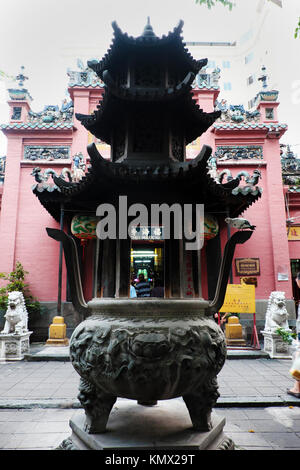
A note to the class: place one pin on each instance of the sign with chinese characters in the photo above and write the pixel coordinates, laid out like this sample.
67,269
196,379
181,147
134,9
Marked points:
247,266
239,298
293,233
147,233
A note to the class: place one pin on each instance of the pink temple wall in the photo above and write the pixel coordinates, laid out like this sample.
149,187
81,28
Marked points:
23,219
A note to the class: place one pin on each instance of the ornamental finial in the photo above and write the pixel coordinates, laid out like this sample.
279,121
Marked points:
263,77
21,77
148,30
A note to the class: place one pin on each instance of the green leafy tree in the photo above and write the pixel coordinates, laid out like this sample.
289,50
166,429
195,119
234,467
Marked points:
211,3
16,282
230,5
297,30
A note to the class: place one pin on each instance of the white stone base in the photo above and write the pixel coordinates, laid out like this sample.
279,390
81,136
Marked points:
13,346
275,346
166,425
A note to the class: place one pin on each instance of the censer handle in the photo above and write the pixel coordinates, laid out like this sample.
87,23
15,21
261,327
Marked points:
72,263
237,238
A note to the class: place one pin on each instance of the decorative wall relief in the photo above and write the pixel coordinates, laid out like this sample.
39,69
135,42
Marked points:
204,79
36,152
239,152
2,169
235,113
51,114
84,76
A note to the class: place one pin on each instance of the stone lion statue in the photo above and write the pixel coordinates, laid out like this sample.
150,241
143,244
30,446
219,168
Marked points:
276,315
16,316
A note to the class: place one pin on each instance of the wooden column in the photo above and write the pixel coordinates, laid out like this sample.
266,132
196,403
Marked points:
196,270
173,267
123,267
96,273
167,272
213,256
108,271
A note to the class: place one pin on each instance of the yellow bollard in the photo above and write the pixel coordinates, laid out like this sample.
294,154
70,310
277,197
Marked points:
234,332
58,332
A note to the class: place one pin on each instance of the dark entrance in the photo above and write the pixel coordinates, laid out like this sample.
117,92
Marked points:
295,268
147,258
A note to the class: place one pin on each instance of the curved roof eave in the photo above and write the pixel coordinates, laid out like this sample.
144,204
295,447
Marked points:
124,40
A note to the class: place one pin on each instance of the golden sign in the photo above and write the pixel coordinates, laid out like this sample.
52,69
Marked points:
247,266
239,298
293,233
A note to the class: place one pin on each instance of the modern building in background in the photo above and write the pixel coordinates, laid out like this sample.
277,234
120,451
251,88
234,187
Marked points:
240,61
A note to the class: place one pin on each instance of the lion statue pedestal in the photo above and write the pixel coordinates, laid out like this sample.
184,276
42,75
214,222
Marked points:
14,338
276,317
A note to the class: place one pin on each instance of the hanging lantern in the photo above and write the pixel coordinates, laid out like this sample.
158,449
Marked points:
211,227
84,227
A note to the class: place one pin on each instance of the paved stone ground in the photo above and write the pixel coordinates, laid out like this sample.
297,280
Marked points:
270,428
37,400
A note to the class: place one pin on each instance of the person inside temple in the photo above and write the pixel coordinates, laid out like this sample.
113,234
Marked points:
142,287
158,289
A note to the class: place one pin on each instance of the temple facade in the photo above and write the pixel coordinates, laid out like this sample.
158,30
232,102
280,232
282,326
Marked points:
46,156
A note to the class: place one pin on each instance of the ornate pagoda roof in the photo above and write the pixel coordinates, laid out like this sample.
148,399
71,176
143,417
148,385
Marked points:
186,182
123,43
148,119
113,110
148,79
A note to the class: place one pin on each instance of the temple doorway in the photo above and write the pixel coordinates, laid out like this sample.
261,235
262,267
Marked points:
147,258
295,269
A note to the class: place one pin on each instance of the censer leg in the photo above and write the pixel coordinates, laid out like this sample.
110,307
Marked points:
97,406
200,405
199,413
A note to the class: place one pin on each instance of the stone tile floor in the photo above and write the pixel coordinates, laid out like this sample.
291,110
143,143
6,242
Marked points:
37,400
268,428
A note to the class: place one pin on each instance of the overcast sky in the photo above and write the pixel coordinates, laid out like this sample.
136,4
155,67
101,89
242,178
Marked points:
46,35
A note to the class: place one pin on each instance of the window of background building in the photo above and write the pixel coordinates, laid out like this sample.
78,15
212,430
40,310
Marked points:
249,58
250,80
251,103
227,86
226,64
245,37
211,64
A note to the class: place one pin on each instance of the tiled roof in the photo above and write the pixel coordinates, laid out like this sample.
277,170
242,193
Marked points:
36,125
86,85
191,177
206,87
250,125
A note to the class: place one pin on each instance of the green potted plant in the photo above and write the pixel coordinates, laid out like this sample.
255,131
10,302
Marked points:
286,336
